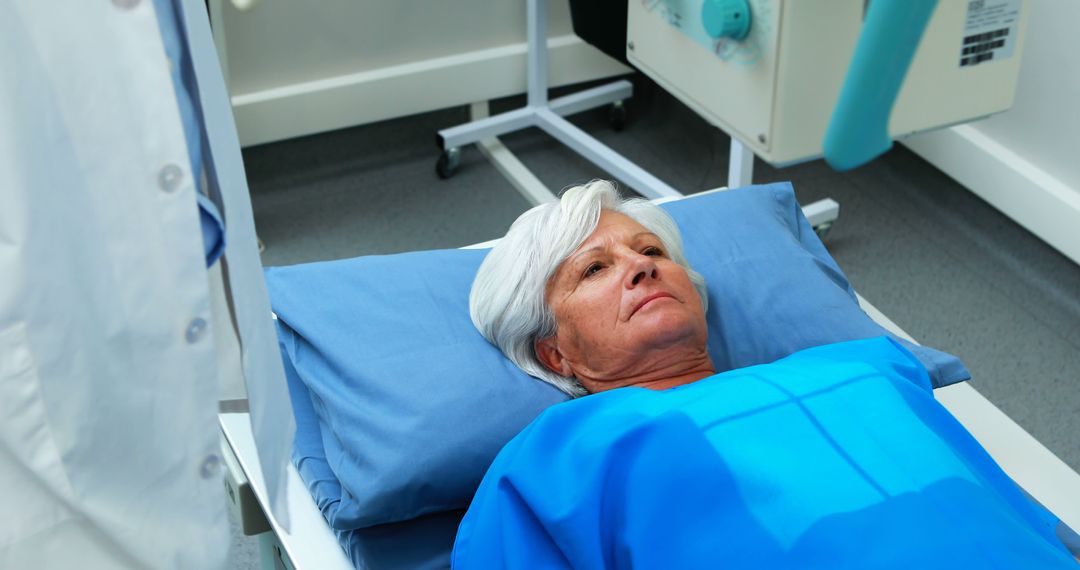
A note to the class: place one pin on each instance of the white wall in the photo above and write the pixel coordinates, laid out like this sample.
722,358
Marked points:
1026,162
296,67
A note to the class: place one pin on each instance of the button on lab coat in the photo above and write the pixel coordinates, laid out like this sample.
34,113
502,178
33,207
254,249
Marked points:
108,371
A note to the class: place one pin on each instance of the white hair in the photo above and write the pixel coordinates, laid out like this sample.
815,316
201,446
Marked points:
507,302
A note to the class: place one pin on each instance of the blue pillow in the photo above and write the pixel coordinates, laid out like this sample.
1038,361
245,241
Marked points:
773,288
416,544
414,404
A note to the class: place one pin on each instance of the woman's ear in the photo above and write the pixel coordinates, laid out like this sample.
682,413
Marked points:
547,352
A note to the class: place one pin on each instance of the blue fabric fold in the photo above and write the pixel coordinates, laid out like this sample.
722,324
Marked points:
211,224
212,229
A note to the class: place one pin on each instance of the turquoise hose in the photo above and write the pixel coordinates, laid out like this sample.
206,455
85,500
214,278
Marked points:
859,128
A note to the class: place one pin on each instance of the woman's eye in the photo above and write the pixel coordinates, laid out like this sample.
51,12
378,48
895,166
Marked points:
653,251
592,269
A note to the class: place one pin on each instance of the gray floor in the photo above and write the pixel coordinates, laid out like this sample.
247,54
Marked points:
947,267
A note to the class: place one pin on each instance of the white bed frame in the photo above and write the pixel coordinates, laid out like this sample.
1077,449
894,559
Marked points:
311,545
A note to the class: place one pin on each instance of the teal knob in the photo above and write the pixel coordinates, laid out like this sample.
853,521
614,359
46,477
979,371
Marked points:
726,18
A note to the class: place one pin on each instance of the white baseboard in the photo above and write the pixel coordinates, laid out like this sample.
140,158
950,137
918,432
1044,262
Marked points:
1029,195
289,111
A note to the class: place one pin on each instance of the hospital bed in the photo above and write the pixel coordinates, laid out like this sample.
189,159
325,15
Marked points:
310,543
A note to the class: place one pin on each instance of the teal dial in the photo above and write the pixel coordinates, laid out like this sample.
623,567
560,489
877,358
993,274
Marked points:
726,18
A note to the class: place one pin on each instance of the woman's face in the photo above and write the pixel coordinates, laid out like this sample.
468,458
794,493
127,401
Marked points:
626,313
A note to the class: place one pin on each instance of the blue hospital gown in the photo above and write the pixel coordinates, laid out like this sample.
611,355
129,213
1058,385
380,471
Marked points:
835,457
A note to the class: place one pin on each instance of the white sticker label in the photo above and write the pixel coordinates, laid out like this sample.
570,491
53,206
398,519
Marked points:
990,31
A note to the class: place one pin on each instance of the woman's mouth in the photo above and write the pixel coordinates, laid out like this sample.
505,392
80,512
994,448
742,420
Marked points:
651,298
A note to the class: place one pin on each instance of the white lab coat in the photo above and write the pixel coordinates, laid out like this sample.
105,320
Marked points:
108,371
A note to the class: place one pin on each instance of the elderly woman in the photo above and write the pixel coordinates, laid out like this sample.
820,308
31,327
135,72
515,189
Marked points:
593,294
834,457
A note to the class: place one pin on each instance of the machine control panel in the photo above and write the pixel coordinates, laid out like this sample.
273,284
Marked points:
774,85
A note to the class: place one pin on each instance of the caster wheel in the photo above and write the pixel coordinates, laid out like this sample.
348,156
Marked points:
617,116
448,162
822,231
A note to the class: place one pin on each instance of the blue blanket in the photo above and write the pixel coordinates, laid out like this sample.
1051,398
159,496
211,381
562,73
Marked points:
835,457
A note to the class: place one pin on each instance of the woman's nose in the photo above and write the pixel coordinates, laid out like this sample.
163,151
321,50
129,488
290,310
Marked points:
644,267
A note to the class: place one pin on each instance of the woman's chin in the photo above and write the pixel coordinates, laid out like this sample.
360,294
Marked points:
667,327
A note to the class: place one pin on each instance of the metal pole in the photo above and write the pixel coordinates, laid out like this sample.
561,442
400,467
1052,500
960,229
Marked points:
740,165
536,19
